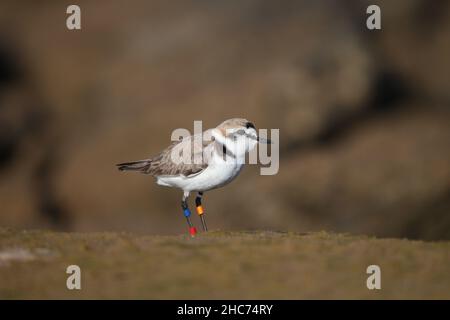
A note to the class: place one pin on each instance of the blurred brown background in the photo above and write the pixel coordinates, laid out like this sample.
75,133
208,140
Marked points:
363,115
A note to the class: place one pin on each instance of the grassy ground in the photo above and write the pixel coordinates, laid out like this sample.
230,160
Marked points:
220,265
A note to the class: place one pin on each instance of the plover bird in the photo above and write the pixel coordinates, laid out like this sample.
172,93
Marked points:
201,162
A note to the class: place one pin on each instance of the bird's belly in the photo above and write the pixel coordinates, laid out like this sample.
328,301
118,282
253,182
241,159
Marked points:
214,176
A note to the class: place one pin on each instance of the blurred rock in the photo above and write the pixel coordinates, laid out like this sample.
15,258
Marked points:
386,177
361,114
414,43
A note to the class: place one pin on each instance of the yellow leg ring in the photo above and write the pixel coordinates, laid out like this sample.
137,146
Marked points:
200,210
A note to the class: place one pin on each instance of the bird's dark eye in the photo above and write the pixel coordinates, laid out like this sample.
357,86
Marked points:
250,125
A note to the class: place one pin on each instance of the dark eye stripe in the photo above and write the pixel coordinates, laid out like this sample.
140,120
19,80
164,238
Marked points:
250,125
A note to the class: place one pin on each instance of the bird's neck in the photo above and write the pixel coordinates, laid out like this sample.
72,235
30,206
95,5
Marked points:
233,151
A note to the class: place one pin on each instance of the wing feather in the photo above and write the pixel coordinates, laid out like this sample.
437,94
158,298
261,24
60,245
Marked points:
187,157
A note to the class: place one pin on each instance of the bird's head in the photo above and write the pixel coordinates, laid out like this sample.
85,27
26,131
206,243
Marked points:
238,135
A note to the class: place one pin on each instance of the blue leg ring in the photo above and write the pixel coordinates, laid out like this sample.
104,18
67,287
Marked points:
187,212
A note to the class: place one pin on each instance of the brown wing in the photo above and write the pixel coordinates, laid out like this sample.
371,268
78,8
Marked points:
186,157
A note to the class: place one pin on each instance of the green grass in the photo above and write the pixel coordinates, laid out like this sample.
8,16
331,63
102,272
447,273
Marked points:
247,265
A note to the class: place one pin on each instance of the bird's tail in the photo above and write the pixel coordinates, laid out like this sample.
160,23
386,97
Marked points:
141,165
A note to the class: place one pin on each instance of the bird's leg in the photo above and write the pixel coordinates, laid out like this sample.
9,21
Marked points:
200,211
187,214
